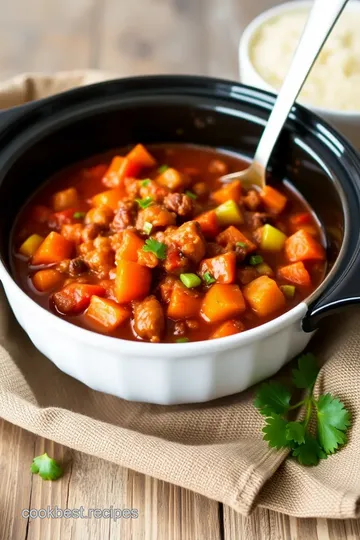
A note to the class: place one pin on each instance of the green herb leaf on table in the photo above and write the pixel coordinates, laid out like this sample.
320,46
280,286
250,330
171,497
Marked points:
145,203
158,248
305,375
272,397
46,467
333,421
274,402
275,431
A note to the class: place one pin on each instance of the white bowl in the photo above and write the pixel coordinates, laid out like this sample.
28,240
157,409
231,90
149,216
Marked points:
347,122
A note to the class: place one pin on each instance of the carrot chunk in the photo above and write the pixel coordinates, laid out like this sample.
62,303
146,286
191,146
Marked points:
141,157
172,179
75,298
222,302
208,223
233,236
107,313
229,191
295,273
132,281
73,233
228,328
222,267
108,198
46,280
64,199
54,249
301,246
184,303
264,296
111,178
273,200
129,246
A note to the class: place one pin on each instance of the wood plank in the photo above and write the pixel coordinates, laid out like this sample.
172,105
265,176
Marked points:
153,36
46,36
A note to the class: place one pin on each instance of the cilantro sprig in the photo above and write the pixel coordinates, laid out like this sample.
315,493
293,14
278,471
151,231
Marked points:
46,467
332,419
158,248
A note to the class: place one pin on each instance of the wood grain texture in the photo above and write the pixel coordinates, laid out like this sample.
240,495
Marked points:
129,37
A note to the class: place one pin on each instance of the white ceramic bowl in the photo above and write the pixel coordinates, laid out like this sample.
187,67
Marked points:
347,122
53,133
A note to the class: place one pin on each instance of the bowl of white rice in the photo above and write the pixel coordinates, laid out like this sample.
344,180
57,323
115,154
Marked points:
332,89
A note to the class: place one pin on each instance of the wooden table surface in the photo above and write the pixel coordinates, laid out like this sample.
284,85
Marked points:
128,37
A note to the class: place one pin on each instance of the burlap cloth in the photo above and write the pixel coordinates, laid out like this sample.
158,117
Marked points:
215,448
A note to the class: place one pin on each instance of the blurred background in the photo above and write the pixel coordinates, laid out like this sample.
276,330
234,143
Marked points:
124,36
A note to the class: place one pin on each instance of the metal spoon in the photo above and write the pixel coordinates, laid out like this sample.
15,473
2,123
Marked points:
321,21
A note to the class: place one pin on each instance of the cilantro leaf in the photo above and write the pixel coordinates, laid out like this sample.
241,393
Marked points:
310,452
295,431
46,467
275,431
158,248
305,375
272,397
333,421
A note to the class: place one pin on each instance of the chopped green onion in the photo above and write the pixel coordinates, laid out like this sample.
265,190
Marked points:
255,259
190,280
241,244
208,278
163,168
79,215
147,227
145,182
191,194
144,203
182,340
288,290
153,246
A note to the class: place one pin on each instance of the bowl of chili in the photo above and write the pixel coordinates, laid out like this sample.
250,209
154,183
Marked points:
134,270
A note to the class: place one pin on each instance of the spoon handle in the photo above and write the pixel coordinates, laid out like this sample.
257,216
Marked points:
321,20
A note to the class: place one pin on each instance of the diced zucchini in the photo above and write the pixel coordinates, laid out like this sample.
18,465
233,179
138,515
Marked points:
288,290
30,245
229,213
272,239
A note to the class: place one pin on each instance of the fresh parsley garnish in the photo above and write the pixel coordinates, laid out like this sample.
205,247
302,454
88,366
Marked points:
191,195
144,203
145,182
273,400
158,248
163,168
79,215
255,260
46,467
208,278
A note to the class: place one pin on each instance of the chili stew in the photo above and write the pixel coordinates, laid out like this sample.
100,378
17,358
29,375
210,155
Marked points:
149,245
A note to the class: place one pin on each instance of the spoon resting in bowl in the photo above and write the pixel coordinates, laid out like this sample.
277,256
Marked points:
321,21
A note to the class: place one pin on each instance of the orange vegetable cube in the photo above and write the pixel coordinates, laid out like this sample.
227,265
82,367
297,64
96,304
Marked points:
264,296
296,273
208,223
141,157
31,244
228,328
53,249
46,280
130,244
108,198
302,246
231,236
64,199
72,232
172,179
111,178
222,302
184,303
107,313
222,267
75,298
229,191
273,200
132,281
